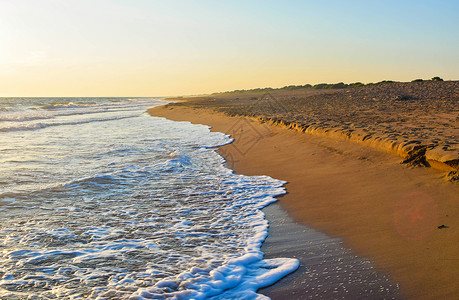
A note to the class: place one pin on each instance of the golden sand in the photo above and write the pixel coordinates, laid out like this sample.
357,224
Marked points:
382,209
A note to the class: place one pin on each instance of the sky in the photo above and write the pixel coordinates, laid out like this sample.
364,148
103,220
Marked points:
185,47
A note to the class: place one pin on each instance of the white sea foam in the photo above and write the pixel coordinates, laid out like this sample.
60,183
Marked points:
40,125
119,204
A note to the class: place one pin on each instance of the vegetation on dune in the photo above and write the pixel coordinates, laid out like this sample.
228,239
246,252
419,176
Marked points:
320,86
436,78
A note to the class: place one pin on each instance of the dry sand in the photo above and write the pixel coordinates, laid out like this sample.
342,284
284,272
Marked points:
418,121
382,209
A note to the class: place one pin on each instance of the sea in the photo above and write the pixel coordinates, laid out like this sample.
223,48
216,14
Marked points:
100,200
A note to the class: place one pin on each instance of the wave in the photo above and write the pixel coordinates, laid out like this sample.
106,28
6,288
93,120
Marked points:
99,179
43,115
36,126
108,103
240,278
55,111
23,117
61,105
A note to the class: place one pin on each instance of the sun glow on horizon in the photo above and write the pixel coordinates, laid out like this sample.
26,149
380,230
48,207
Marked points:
157,48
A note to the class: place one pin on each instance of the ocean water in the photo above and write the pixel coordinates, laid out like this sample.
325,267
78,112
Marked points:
99,200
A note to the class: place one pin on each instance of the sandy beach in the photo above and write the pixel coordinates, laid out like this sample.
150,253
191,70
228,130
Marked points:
383,210
229,150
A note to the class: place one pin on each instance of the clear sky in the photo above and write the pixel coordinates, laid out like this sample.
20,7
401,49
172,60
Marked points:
182,47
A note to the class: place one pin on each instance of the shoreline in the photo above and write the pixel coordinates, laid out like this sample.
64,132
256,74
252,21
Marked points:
353,192
327,270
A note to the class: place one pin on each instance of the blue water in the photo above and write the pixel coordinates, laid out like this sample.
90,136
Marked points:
99,200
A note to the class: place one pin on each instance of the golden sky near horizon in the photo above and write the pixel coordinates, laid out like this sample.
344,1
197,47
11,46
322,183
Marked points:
163,48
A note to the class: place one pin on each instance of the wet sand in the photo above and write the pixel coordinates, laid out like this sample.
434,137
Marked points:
381,209
327,270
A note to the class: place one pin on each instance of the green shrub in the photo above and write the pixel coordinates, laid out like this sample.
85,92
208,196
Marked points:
385,81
